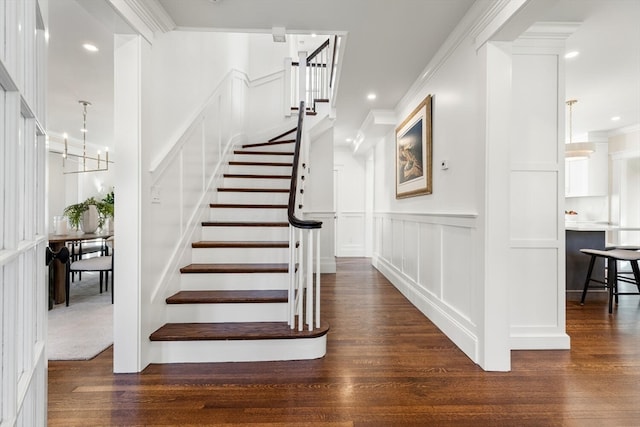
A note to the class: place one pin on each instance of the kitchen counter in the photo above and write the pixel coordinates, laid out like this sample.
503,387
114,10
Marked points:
592,235
583,237
595,226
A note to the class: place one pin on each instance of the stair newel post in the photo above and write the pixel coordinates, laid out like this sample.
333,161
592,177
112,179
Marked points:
302,77
317,278
288,96
310,292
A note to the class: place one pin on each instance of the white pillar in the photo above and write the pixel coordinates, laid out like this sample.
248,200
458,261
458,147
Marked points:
302,77
127,153
536,232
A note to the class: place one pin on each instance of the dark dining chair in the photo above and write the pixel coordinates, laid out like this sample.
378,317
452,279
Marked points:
64,257
102,264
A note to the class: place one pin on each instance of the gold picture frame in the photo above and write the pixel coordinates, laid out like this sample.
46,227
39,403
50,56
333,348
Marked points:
414,147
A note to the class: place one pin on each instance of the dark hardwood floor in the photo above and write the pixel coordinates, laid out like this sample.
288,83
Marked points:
386,365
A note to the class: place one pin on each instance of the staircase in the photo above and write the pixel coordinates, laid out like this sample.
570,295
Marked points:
233,302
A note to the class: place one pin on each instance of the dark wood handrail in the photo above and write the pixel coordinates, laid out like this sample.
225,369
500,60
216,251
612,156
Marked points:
333,59
318,50
293,189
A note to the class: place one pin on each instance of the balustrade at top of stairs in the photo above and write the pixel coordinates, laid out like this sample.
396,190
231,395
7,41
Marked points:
234,299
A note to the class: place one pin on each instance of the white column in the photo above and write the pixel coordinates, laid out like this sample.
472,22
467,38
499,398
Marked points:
494,333
536,233
127,153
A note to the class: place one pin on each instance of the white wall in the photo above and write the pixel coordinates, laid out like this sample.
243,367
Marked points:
624,180
456,254
318,193
427,245
187,67
349,173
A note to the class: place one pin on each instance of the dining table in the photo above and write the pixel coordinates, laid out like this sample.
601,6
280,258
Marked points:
57,242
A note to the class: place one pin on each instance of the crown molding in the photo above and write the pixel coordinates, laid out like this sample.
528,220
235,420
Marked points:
153,15
477,19
146,17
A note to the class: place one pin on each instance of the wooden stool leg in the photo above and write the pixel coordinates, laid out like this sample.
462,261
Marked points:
636,273
588,279
612,282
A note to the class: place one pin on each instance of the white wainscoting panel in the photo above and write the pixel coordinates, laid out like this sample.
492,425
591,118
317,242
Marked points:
534,272
456,270
535,209
411,249
428,257
350,234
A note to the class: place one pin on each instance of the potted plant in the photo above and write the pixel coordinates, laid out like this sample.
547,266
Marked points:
90,214
105,209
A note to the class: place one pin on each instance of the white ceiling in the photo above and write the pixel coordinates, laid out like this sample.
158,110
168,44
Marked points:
389,43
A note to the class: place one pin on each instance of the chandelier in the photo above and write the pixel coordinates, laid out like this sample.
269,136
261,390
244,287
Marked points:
100,164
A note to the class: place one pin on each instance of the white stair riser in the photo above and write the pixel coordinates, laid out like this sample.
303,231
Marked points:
248,214
234,281
221,313
259,170
256,183
251,198
240,255
237,350
234,234
263,158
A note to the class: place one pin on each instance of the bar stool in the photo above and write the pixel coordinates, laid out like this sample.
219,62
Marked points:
612,256
622,275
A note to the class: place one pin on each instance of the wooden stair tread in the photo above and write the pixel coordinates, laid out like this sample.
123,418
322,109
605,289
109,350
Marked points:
244,224
247,206
228,297
238,244
266,144
264,153
252,190
235,268
254,176
249,163
233,331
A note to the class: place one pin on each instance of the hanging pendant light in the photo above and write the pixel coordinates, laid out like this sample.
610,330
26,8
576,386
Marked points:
576,150
101,164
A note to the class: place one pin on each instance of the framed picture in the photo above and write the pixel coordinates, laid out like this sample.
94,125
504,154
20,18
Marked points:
413,153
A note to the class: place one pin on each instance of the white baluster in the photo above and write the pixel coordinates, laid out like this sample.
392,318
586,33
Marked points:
300,281
292,277
318,279
310,280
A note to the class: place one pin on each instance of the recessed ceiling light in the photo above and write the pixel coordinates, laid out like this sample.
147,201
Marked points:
90,47
615,118
349,139
371,96
314,35
571,54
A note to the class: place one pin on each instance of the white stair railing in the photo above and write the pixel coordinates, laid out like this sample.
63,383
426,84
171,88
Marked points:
304,247
312,76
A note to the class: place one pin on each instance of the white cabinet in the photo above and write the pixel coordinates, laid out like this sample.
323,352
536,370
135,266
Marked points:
588,177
